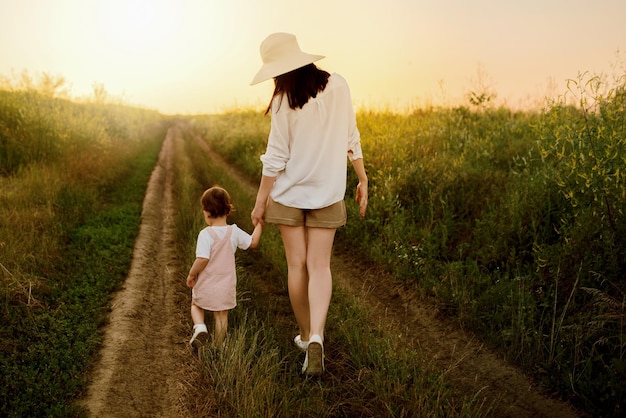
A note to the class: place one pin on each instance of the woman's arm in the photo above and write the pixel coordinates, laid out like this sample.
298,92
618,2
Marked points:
361,188
265,187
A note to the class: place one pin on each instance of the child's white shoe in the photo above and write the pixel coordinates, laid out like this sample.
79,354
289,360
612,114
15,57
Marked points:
200,335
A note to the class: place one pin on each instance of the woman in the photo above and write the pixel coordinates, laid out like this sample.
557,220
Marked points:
303,183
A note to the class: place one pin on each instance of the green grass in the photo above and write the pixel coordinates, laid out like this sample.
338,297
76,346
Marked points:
257,373
514,221
50,345
69,221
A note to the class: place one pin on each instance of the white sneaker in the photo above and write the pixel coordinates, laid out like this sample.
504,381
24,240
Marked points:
199,339
314,360
302,345
200,335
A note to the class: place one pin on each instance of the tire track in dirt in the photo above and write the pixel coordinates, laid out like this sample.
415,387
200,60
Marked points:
468,364
137,372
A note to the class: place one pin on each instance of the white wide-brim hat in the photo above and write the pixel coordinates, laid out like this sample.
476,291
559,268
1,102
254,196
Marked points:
281,54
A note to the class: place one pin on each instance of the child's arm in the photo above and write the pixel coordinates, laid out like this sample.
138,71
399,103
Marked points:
196,268
256,235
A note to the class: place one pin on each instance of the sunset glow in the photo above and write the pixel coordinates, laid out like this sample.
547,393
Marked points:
138,26
195,56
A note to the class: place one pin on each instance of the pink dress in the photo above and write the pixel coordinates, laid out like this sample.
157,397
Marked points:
216,287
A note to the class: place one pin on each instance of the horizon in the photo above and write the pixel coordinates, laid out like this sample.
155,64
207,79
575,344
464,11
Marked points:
198,56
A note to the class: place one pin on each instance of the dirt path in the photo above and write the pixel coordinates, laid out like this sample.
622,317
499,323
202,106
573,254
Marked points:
137,375
140,371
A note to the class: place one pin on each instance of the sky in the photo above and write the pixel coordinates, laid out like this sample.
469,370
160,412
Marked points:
199,56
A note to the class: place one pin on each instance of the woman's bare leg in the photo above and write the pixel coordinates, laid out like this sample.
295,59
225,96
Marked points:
319,250
294,241
308,252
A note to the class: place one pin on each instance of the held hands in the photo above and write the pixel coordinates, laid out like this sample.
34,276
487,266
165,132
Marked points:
257,215
361,197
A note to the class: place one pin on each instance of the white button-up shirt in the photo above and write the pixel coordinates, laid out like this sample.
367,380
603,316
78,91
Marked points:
307,148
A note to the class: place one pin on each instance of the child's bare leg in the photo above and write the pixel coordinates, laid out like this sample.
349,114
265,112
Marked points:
200,332
197,314
221,325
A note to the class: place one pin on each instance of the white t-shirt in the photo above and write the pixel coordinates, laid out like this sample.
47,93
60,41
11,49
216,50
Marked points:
238,239
307,148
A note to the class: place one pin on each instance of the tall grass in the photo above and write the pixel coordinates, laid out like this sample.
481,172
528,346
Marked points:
72,180
585,150
257,371
514,221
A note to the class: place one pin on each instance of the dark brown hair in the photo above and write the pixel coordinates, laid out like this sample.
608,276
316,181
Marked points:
216,201
299,85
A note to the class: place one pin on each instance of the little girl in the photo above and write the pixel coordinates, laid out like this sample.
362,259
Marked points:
212,276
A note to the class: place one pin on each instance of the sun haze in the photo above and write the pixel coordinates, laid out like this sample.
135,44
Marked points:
198,56
138,26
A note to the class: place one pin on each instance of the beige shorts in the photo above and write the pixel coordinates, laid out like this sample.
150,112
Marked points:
332,216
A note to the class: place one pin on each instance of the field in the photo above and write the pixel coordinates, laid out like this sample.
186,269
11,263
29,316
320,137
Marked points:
513,221
508,224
